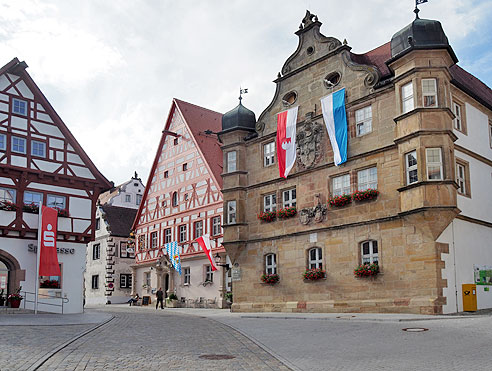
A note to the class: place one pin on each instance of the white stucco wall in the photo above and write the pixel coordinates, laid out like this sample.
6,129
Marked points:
477,137
132,188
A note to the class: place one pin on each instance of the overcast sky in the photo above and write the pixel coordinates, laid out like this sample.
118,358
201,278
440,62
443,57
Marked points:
111,68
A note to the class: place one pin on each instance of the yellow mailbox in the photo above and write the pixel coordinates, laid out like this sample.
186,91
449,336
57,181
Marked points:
469,292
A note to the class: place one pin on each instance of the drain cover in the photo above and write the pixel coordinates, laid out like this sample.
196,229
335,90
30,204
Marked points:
415,329
214,357
345,317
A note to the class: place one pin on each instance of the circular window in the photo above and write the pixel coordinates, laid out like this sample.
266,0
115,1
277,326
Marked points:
310,50
332,80
289,98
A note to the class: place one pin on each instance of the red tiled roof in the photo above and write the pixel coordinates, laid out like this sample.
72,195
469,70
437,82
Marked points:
376,57
200,119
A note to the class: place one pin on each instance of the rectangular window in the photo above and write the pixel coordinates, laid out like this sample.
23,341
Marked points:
289,198
32,198
209,274
458,123
429,92
166,174
125,281
95,282
96,251
363,120
167,235
271,264
411,167
231,161
367,179
187,276
216,228
154,240
407,97
147,279
463,177
38,148
231,212
176,141
3,142
18,145
341,185
185,167
138,199
269,154
270,202
128,198
198,228
183,233
20,107
98,224
51,282
434,163
315,258
369,252
7,194
490,134
123,249
58,202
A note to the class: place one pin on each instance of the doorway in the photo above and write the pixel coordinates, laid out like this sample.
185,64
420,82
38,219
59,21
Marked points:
166,284
4,283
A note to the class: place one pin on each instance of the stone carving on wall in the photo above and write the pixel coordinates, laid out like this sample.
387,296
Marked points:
372,76
316,213
308,142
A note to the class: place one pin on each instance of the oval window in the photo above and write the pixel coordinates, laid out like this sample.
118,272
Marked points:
332,80
310,50
289,98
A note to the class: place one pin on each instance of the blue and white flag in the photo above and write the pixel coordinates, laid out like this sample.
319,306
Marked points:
333,107
172,249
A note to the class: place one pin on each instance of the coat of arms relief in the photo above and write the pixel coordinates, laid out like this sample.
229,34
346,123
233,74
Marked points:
308,142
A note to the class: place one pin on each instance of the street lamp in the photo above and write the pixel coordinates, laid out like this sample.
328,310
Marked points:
218,262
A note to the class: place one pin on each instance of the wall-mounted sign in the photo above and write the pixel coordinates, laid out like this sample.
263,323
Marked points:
236,274
482,274
60,250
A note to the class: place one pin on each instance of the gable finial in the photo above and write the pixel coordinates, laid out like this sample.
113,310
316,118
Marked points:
309,18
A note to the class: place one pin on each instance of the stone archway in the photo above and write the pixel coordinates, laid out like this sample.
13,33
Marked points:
16,274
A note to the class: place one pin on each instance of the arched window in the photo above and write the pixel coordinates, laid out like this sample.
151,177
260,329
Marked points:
315,258
369,252
271,264
175,199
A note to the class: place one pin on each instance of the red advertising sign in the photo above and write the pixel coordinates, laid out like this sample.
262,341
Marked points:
48,260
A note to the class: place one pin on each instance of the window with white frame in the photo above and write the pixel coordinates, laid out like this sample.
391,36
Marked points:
363,120
460,178
289,198
270,202
367,179
18,145
96,251
125,281
186,275
429,92
198,228
341,185
38,148
369,252
95,282
147,279
183,229
3,142
209,274
407,97
411,167
269,154
231,212
458,122
57,202
125,252
128,198
490,134
271,264
98,224
32,198
7,194
216,228
315,258
154,241
231,161
167,235
434,163
138,199
19,107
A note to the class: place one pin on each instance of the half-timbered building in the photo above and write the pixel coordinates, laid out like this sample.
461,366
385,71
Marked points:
41,161
182,201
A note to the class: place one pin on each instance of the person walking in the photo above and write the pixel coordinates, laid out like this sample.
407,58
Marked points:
160,298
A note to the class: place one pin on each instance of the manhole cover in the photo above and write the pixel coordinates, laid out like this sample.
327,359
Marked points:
214,357
415,329
345,317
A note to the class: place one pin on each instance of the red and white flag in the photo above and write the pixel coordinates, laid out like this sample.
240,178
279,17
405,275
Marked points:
48,259
204,242
286,140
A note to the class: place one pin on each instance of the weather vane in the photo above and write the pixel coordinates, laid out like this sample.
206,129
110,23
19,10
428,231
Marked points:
241,92
416,10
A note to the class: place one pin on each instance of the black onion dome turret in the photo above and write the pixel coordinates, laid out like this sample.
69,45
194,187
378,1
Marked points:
239,118
420,34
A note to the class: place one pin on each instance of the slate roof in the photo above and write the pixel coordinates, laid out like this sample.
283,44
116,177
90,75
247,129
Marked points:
120,219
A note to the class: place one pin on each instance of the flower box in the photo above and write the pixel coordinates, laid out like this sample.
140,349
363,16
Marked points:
271,279
286,213
63,213
314,274
340,201
50,284
7,205
366,270
368,194
31,208
267,216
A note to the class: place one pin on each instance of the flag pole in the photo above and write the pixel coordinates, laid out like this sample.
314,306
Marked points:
38,255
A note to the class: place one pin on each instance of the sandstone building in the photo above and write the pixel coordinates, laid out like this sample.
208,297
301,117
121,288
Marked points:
419,131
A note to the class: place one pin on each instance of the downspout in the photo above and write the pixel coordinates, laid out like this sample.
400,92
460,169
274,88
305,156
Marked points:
454,263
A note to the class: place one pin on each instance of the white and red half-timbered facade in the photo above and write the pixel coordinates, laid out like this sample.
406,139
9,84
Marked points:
41,161
182,201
